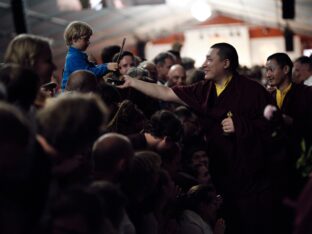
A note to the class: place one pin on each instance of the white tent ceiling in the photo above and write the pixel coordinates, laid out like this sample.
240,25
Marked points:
146,21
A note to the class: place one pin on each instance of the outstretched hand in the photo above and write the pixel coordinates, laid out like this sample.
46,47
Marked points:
127,80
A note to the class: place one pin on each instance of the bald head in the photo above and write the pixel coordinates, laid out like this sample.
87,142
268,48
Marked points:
176,75
82,81
109,152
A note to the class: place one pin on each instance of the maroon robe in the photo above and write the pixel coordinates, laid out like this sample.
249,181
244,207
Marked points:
297,104
238,161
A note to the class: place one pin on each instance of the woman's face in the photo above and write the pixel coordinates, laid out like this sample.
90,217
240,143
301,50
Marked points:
44,66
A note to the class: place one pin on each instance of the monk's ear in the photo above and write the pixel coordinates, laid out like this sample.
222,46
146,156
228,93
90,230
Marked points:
286,69
226,63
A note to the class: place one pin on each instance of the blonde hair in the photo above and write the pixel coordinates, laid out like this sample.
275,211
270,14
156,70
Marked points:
75,30
25,49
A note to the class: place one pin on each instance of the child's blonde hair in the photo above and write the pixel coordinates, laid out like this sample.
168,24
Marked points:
25,49
75,30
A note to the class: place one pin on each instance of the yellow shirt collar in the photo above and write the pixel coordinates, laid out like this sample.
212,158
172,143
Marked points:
280,95
220,88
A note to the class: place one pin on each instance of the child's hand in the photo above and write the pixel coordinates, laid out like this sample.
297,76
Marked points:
112,66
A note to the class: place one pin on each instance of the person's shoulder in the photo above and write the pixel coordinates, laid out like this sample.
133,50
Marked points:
250,83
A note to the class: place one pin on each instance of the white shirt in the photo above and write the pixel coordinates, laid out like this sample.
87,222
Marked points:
192,223
308,81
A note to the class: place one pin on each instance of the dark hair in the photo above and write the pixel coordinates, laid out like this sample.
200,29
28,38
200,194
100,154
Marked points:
108,53
79,200
128,119
123,54
282,60
305,60
22,85
227,51
200,193
83,81
72,121
188,63
113,200
14,126
164,123
161,57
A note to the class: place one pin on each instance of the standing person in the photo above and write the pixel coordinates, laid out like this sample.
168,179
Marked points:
34,52
303,71
126,61
292,121
230,108
77,37
163,62
176,75
291,99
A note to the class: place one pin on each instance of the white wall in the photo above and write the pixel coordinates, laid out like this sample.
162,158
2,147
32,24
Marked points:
198,41
261,48
152,50
250,51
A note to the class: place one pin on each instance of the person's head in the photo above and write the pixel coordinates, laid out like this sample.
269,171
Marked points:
302,69
108,53
112,199
77,34
22,85
126,60
171,157
110,95
221,60
202,199
188,63
279,70
34,52
83,81
15,135
111,154
71,122
195,76
176,75
190,122
163,62
138,73
176,55
165,125
77,210
151,68
142,177
196,154
128,119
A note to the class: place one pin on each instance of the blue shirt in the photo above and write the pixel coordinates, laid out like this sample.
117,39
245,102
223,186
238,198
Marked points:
78,60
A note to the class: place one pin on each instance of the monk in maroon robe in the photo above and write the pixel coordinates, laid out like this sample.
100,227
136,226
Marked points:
231,111
292,122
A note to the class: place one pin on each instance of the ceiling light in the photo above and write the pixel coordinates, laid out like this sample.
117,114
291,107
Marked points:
201,10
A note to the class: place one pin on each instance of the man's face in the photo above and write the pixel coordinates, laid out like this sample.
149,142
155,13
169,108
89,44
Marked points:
176,76
301,72
163,69
275,74
214,67
125,63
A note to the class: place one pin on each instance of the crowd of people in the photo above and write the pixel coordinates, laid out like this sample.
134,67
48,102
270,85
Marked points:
132,146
